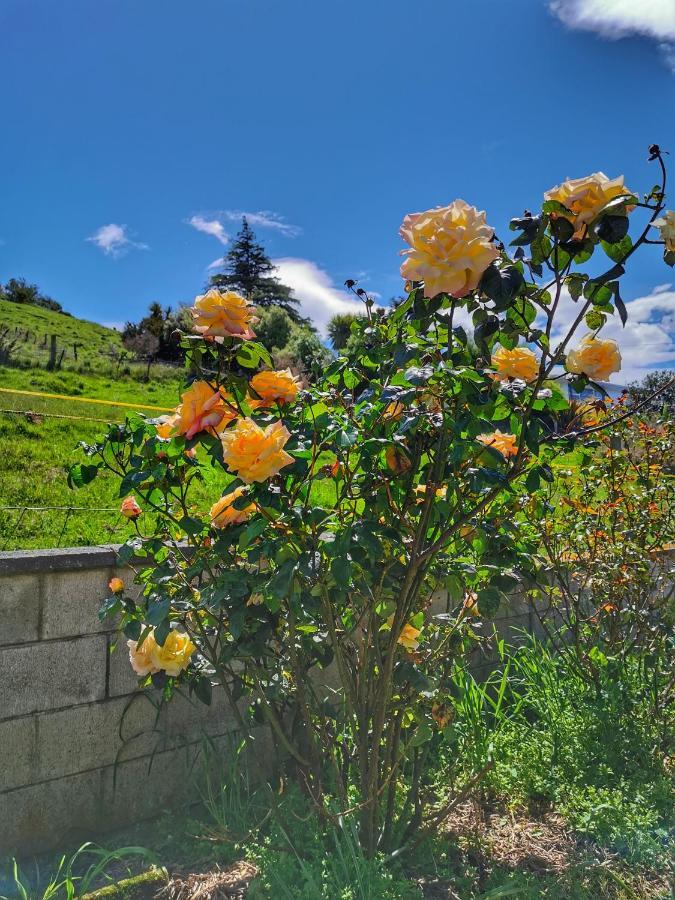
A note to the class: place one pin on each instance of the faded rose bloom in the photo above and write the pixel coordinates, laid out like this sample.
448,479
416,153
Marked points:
115,585
255,454
223,512
140,655
274,387
397,460
220,315
666,226
450,248
595,358
520,362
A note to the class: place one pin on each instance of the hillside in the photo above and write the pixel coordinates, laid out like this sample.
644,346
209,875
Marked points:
26,332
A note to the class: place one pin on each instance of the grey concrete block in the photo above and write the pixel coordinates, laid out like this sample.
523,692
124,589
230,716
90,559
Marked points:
121,677
51,675
71,601
52,814
19,608
18,752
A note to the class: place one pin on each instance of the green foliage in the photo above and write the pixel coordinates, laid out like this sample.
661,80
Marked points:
660,382
17,290
340,328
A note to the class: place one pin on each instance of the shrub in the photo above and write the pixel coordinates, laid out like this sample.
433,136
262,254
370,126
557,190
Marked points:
367,522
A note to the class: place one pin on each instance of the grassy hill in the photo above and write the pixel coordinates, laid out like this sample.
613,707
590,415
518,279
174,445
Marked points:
83,346
39,434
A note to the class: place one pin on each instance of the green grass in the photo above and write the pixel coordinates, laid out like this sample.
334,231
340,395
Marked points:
38,450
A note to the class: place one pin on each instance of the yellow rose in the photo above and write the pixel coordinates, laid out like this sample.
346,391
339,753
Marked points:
520,362
255,454
219,315
441,492
223,513
175,655
397,460
595,358
140,655
585,197
507,444
255,600
202,409
450,248
408,636
666,226
274,387
116,586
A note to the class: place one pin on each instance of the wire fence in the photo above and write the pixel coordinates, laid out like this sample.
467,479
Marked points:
22,524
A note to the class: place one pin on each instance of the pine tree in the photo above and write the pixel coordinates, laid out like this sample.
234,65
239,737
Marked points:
248,270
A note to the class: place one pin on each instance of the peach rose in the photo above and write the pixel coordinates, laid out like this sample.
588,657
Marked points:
223,512
442,714
130,508
470,604
175,655
585,197
397,460
255,454
595,358
450,248
520,362
219,315
666,226
115,585
507,444
202,409
408,637
140,655
274,387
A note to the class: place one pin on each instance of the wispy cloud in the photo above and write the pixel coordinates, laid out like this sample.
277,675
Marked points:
320,299
114,240
210,226
623,18
217,263
264,218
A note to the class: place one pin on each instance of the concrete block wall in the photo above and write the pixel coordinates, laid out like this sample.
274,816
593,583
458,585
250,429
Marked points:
76,737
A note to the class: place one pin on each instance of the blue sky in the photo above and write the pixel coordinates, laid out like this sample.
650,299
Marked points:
134,131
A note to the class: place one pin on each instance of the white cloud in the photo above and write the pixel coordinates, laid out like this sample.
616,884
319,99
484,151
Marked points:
622,18
319,298
114,240
216,264
209,226
264,218
648,340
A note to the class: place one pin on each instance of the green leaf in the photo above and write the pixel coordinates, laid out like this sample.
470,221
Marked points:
203,689
595,319
79,475
501,285
618,251
158,610
612,228
423,733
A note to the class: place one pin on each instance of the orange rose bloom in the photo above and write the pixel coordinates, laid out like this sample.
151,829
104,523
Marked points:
219,315
255,454
115,585
202,409
595,358
397,460
393,410
223,513
130,508
585,197
408,637
507,444
274,387
450,248
520,362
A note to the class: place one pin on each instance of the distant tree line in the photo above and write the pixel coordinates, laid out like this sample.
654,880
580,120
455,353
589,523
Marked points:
18,290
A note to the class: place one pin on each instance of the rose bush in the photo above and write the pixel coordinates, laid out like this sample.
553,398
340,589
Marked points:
371,523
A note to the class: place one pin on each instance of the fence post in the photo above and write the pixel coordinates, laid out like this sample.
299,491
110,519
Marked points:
51,365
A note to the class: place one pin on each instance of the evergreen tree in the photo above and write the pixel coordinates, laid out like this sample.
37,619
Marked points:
249,271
